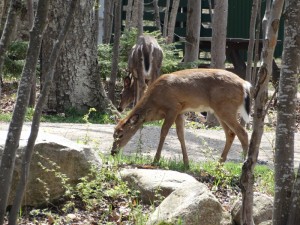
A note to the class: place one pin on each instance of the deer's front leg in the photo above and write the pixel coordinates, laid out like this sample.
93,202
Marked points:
169,120
180,134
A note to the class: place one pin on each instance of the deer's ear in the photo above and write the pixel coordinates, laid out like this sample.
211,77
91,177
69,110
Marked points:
133,120
127,81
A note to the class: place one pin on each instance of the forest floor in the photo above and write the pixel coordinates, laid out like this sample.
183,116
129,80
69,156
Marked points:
93,133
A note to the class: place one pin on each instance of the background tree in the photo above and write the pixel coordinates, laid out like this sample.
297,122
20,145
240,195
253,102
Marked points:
260,96
172,21
218,44
192,31
286,118
15,127
4,4
116,45
77,83
108,20
11,22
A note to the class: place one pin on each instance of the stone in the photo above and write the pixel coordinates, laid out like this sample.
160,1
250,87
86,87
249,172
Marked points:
56,160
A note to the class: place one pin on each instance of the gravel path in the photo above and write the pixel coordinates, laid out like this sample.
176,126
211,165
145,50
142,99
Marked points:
201,144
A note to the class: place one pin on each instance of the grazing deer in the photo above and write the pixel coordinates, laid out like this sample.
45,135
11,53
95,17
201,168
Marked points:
144,65
171,95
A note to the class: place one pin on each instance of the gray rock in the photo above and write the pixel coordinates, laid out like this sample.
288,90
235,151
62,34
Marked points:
190,204
154,183
262,209
55,160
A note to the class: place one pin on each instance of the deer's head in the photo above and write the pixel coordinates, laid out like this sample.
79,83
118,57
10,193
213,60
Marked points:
127,93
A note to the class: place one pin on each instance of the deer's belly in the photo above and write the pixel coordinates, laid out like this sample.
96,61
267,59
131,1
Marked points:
200,108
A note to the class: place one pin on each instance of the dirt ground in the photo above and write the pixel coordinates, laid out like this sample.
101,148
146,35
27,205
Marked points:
202,144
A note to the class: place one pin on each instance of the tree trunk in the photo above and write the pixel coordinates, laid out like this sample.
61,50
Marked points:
77,83
172,21
252,32
193,31
166,19
3,12
15,127
115,58
108,20
30,21
286,118
294,215
129,8
265,71
218,44
156,15
140,17
28,151
11,22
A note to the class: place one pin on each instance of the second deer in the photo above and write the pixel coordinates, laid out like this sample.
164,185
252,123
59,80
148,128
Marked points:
171,95
144,65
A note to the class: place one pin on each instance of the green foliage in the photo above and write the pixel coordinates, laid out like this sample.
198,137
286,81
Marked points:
15,59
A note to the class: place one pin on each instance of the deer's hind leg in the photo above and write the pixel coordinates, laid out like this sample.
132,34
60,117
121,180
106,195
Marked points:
230,135
180,133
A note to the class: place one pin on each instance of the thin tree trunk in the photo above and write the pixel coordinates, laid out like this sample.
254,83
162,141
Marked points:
4,12
30,21
108,18
156,15
115,58
28,151
192,31
265,71
286,118
166,19
218,44
15,127
252,32
11,22
172,21
140,17
128,22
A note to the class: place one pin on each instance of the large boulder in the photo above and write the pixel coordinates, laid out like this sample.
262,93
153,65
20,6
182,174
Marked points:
191,204
56,160
154,183
262,209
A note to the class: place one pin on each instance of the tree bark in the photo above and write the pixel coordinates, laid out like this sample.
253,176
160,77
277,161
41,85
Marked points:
294,215
286,118
218,44
140,17
108,18
172,21
30,21
265,71
77,83
115,58
15,127
3,12
128,22
156,15
166,19
28,151
11,22
193,31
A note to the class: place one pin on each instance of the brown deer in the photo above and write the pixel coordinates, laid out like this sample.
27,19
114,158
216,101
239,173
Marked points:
144,65
171,95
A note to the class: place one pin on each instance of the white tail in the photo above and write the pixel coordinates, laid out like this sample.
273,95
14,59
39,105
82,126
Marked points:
144,65
171,95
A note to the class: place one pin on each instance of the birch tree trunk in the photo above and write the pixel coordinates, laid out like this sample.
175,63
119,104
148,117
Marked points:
115,58
193,31
218,44
15,127
286,118
265,71
28,151
10,24
77,84
172,21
